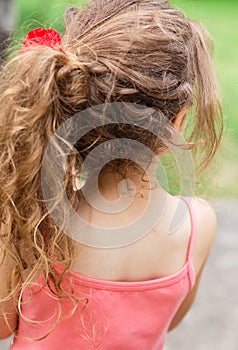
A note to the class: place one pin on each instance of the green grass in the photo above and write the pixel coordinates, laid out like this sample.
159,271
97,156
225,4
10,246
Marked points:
220,18
45,13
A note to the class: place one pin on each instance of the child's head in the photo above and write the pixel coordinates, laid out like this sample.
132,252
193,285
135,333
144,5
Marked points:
137,51
147,53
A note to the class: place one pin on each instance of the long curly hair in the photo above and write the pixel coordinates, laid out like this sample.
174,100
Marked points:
136,51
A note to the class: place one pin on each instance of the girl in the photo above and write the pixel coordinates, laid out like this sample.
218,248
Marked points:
59,289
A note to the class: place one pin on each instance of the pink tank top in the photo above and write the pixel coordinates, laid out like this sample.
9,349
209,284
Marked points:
110,315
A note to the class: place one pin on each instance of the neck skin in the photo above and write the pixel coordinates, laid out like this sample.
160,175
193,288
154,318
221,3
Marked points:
111,184
117,199
112,201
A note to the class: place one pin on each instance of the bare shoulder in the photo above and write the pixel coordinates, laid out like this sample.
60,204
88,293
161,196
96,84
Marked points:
206,223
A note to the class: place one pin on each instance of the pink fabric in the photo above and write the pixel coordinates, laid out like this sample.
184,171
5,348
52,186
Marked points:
117,316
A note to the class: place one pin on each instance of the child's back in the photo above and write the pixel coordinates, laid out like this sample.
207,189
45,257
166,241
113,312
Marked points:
132,295
125,278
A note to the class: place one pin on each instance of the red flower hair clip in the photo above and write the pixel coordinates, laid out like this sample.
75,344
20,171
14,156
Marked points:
39,36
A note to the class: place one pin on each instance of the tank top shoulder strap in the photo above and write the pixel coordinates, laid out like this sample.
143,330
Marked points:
191,245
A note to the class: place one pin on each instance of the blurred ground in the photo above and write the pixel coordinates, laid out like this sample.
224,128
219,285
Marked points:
212,323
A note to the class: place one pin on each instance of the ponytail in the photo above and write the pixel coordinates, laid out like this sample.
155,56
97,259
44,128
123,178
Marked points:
34,99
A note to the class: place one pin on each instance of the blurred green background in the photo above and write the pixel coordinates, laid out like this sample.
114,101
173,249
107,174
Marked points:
221,19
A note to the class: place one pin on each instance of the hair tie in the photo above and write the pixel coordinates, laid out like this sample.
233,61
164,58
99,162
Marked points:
39,36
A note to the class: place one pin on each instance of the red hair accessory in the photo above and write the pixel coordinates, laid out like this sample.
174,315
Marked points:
39,36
